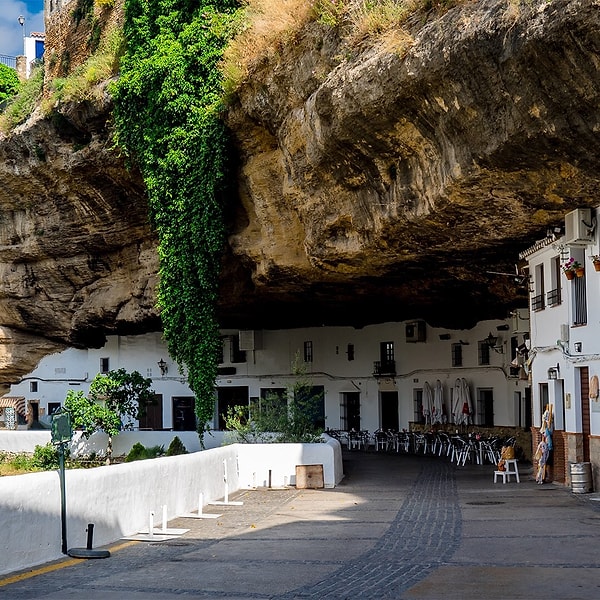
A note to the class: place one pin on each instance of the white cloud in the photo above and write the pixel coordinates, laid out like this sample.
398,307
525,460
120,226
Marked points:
11,33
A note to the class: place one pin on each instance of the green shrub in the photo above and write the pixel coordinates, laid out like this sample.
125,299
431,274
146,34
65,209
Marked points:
9,83
22,462
140,452
45,457
137,452
21,106
176,447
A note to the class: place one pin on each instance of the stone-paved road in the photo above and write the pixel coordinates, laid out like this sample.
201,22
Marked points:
401,527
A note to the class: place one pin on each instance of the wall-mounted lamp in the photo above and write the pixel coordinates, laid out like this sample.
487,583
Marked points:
577,346
162,365
492,342
554,372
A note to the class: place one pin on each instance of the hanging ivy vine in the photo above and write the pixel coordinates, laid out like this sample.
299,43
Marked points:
167,102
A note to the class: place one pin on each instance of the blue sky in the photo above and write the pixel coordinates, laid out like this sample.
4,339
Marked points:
11,33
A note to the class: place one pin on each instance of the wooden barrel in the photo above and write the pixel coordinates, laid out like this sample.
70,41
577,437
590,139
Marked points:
581,478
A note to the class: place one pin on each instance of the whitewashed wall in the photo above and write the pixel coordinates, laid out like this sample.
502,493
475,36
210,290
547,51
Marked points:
118,498
581,348
269,366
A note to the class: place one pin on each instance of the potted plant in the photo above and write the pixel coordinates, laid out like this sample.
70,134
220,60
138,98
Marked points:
595,258
573,268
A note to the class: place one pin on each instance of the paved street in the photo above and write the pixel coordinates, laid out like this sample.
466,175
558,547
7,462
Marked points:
401,527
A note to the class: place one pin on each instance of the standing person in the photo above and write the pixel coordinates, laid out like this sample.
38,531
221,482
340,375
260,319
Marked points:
541,455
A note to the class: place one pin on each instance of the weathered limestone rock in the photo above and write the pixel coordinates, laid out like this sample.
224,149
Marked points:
388,183
77,255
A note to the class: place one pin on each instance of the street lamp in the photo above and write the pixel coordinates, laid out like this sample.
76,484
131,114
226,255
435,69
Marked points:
22,23
162,365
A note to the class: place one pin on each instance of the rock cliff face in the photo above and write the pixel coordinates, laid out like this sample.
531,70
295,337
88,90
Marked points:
388,183
379,183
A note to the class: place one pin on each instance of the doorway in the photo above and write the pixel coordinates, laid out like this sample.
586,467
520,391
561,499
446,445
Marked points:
584,387
485,407
389,411
350,411
153,414
228,397
184,416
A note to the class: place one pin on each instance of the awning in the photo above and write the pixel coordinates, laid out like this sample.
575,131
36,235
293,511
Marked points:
17,402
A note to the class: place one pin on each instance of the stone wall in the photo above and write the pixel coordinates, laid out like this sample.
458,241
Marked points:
71,36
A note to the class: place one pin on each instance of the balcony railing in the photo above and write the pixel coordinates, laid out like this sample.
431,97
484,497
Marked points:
384,368
537,302
553,297
9,61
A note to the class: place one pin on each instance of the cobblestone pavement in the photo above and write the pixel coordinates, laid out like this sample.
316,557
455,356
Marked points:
402,527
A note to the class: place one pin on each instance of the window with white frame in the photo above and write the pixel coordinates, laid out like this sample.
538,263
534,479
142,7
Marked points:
457,359
483,351
553,297
538,298
308,352
578,292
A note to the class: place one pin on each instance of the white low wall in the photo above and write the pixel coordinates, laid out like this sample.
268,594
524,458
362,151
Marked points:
26,441
118,498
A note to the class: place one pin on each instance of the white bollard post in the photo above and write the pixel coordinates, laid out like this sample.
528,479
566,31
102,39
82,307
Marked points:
200,504
225,479
151,524
164,527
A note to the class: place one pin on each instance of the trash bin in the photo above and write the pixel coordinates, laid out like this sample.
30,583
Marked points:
581,478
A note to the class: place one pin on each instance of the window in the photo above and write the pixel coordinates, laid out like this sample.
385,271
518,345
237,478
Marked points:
418,406
386,351
553,297
235,354
483,353
104,365
350,411
308,352
579,301
485,407
457,355
53,407
33,387
538,299
350,351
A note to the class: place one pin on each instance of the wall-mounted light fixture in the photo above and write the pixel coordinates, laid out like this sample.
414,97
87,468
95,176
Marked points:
492,342
162,365
554,372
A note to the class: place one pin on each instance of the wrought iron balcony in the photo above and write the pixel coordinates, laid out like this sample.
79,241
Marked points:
384,368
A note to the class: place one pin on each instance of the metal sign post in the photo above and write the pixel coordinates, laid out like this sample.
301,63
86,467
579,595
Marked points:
61,435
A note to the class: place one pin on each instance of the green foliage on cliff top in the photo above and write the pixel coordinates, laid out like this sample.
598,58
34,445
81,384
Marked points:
9,83
167,103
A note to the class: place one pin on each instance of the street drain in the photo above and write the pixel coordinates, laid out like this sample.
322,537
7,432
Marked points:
485,502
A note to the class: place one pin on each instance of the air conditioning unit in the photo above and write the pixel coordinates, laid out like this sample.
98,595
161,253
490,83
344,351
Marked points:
564,332
250,340
520,322
579,227
415,331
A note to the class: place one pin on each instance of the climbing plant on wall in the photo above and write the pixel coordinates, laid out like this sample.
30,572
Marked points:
167,102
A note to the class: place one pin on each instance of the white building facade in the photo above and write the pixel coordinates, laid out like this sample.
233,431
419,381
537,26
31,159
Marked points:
564,357
379,377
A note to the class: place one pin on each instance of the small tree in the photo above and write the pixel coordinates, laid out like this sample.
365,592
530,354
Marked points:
9,83
293,417
113,402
